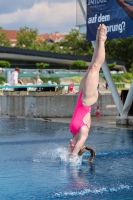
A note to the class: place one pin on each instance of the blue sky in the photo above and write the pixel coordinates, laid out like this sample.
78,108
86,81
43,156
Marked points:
48,16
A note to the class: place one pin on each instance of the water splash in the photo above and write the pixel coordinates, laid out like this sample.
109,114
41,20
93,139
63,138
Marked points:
56,153
62,153
46,152
77,161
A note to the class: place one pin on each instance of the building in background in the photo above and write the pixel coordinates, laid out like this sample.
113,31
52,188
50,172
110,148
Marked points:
52,37
48,37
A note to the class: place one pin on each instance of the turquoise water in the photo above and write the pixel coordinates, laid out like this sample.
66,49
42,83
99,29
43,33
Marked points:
34,163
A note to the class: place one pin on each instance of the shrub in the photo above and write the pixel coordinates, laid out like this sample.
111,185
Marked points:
79,64
117,78
112,65
131,68
42,65
128,77
53,79
4,63
77,79
2,80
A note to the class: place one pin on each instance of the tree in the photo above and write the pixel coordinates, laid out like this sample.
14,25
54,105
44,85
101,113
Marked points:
42,65
128,77
53,47
4,40
4,63
76,43
79,64
131,68
26,38
112,65
120,49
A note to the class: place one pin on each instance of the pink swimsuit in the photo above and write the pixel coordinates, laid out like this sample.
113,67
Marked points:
79,113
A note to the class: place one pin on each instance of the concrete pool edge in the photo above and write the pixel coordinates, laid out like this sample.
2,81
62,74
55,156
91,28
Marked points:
103,121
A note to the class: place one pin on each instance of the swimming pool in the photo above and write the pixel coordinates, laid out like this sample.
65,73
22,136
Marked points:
34,163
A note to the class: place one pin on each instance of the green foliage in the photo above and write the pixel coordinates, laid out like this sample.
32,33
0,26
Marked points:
112,65
76,79
2,80
79,64
131,68
4,40
120,85
42,65
117,78
120,49
53,79
26,38
4,63
75,43
126,77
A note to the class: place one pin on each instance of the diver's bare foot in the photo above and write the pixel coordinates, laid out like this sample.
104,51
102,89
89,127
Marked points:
102,33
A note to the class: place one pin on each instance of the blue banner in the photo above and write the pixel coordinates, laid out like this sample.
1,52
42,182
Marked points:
117,15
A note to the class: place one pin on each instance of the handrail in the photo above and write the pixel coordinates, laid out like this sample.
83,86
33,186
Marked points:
34,86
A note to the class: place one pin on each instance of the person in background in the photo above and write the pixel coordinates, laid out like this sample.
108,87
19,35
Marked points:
14,76
88,95
52,86
56,87
38,82
20,81
107,85
71,89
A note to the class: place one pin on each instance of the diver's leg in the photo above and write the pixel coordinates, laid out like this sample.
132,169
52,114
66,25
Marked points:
90,93
82,83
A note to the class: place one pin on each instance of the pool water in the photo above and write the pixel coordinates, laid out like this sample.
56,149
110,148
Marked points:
34,163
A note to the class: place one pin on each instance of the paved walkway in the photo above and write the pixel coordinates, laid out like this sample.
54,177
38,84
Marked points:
104,121
107,121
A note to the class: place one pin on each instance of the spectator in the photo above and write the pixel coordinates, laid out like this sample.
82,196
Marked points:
14,76
71,89
52,86
56,87
38,82
49,82
20,81
106,85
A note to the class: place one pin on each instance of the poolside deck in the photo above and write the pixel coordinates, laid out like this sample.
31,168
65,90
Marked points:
107,121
